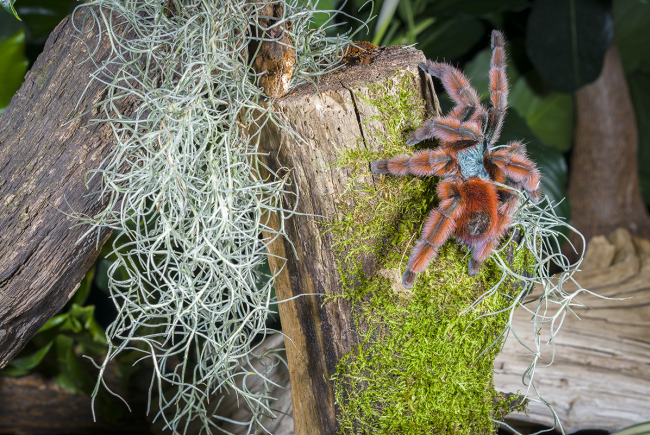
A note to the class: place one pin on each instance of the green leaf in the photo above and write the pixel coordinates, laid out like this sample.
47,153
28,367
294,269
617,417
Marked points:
9,7
101,277
85,316
385,18
637,429
13,66
81,295
22,366
450,39
72,376
567,41
550,161
640,90
54,322
551,118
631,24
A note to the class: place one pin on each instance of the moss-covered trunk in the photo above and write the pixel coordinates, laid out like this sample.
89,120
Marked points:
366,356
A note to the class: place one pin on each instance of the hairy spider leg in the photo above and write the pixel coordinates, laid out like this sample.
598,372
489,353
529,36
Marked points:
448,129
438,227
424,163
498,89
480,252
464,123
454,82
511,166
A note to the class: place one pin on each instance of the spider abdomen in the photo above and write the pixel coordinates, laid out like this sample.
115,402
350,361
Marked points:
479,218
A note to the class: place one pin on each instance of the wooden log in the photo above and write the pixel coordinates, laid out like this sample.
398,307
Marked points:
35,404
600,378
46,149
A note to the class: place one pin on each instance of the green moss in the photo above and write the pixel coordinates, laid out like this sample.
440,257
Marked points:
41,75
418,367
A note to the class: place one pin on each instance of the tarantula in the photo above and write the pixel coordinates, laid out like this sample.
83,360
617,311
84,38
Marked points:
480,187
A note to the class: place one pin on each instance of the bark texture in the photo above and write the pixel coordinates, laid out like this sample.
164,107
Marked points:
46,148
332,121
604,181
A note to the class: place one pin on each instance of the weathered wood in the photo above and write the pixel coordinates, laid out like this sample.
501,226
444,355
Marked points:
45,151
35,404
330,122
600,378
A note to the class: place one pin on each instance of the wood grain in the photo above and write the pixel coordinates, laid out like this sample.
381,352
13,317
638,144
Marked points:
330,122
46,148
600,378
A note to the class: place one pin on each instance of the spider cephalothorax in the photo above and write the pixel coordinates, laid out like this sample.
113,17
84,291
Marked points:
479,191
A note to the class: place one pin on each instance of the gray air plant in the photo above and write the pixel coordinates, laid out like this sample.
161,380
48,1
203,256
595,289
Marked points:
188,195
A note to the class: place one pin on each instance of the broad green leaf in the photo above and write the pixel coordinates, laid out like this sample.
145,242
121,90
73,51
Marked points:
566,40
551,117
13,66
9,25
477,71
89,346
9,7
22,366
320,19
86,317
640,90
450,39
631,24
101,277
550,161
637,429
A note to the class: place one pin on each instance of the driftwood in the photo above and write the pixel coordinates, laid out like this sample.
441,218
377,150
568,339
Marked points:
600,378
46,148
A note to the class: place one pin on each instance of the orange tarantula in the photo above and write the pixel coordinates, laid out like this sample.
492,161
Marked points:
479,190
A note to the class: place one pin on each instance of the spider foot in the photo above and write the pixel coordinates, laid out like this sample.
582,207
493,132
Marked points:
474,267
535,196
409,279
379,167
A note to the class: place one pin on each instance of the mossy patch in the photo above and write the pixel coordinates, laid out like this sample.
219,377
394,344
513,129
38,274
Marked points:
422,365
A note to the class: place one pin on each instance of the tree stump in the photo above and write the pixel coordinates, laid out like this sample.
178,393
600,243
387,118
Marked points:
319,336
